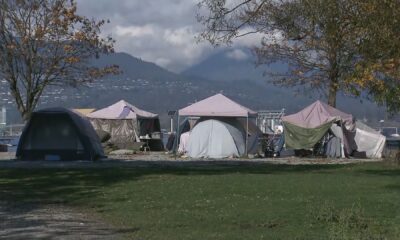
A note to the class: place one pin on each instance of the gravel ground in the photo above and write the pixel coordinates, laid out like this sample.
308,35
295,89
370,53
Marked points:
162,159
31,221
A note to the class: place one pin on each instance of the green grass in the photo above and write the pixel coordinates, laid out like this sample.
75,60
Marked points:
225,202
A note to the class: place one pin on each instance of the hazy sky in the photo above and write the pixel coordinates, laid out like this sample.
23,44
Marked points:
160,31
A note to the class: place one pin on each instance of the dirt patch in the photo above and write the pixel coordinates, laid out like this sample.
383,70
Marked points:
32,221
160,159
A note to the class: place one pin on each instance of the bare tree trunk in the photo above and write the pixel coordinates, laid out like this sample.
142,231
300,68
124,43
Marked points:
333,79
30,106
26,115
332,93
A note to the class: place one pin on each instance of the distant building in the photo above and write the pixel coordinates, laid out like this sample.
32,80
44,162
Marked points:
3,117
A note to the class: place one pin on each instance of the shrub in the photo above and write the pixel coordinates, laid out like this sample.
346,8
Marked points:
348,223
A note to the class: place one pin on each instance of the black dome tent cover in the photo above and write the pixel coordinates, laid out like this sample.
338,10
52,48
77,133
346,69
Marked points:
58,134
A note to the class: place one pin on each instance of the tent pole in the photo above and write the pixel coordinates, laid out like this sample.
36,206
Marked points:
177,136
172,124
247,134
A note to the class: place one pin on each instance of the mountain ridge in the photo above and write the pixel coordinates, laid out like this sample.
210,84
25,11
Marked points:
156,89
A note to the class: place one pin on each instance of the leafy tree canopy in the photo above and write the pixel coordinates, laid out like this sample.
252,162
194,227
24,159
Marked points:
330,45
45,42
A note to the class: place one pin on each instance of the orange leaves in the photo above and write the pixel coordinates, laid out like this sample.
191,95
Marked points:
366,77
68,48
45,42
72,59
11,46
79,36
39,32
100,72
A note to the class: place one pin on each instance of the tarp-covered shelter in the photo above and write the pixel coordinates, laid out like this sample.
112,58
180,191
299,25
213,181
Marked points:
58,134
307,127
126,123
226,114
303,130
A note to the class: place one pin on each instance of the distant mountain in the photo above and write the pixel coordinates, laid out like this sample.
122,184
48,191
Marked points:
158,90
231,65
135,68
142,83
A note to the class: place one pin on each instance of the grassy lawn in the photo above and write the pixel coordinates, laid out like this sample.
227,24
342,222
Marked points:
225,202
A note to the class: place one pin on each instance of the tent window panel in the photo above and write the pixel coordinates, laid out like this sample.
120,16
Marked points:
56,132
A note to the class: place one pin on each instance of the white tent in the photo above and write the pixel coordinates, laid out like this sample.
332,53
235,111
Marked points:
220,106
121,110
220,138
215,139
369,140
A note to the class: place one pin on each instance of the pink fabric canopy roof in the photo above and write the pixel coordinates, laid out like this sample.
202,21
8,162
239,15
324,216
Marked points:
216,106
317,114
121,110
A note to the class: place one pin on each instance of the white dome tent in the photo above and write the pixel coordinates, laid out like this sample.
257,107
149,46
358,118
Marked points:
225,128
216,139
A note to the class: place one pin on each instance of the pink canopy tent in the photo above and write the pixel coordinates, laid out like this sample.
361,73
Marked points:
218,106
121,110
317,114
306,127
125,122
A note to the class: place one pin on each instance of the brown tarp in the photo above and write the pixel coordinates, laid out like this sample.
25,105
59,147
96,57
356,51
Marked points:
121,130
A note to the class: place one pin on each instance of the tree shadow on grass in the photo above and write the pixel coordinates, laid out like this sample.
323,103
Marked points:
68,185
393,187
71,183
392,172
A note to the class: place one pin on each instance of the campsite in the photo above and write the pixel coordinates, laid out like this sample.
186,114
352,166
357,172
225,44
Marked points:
202,119
207,185
216,127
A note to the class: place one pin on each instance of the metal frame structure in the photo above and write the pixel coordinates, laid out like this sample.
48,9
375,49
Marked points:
269,118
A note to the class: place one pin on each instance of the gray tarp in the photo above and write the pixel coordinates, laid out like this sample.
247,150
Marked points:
333,148
121,130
